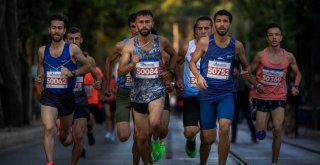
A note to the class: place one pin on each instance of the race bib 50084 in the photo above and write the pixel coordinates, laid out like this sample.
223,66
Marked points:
56,80
218,70
147,70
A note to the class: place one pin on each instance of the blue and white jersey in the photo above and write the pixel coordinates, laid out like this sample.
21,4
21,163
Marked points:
189,80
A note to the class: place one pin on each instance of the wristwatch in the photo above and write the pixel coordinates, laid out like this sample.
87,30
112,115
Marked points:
73,73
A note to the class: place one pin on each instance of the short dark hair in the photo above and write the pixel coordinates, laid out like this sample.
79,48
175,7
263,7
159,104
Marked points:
59,17
73,30
144,12
272,25
202,18
131,18
223,12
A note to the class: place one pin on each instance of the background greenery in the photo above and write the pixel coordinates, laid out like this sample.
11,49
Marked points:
104,22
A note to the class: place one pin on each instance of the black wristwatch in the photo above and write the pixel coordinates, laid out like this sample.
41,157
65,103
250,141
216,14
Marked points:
73,73
296,86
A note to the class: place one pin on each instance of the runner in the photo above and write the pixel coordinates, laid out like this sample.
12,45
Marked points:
81,114
97,113
215,82
270,66
57,71
124,84
143,54
191,108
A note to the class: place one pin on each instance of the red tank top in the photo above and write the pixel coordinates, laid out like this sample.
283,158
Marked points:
272,77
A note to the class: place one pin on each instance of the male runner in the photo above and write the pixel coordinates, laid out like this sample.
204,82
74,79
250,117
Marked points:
142,56
81,114
270,66
57,71
215,82
191,107
124,84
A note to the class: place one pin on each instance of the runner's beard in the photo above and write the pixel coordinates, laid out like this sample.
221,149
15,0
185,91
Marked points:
55,38
222,34
145,34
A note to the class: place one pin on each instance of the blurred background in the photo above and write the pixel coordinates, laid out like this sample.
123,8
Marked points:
23,29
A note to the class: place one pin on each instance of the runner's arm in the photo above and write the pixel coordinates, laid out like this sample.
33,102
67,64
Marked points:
124,67
173,57
109,60
201,49
40,70
182,53
295,69
78,55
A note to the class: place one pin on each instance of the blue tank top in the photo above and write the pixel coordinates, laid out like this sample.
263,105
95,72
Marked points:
125,82
216,67
189,81
53,80
148,84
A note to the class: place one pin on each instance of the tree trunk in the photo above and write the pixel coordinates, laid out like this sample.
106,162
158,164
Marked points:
10,66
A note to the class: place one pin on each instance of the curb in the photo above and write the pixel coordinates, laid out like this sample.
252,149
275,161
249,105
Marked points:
17,136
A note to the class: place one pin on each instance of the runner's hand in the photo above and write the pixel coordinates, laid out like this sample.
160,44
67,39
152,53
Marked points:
97,85
245,75
294,91
260,88
179,85
38,79
135,58
201,83
65,71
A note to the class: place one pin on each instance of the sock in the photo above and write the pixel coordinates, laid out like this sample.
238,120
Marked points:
192,139
152,139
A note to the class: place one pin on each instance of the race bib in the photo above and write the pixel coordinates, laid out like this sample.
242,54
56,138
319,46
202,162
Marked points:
272,76
88,89
193,80
218,70
128,81
147,69
79,84
56,80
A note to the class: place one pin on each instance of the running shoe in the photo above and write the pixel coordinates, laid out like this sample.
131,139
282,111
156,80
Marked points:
50,163
191,148
83,153
162,149
91,139
155,155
